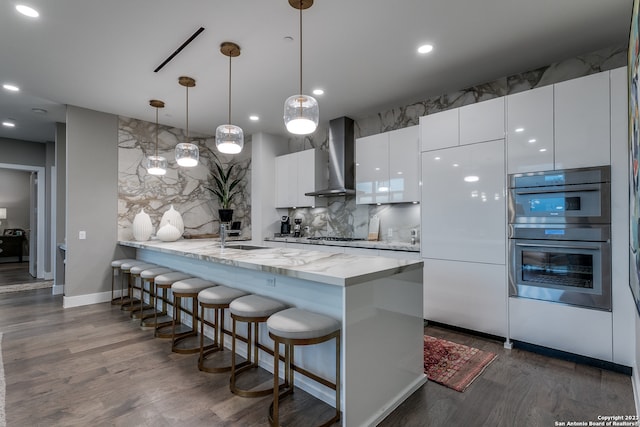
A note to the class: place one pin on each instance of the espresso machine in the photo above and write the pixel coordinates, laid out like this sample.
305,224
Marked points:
285,225
297,228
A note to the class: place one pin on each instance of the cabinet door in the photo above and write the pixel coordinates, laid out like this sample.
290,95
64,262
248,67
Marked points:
439,130
483,121
582,122
286,181
463,203
530,131
310,174
466,294
404,165
372,169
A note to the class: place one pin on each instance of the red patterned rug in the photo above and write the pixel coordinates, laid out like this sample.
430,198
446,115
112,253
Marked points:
454,365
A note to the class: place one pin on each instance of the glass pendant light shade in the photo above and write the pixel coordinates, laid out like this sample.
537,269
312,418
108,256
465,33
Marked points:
156,165
301,114
187,154
229,139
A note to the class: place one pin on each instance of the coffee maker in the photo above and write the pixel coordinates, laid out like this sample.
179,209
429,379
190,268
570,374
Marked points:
285,225
297,229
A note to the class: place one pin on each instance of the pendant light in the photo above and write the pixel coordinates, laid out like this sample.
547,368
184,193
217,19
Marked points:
229,138
187,154
301,112
156,165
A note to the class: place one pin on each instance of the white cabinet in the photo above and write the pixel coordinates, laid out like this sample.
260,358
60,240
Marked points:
463,203
439,130
483,121
561,327
582,122
299,173
466,294
530,145
387,167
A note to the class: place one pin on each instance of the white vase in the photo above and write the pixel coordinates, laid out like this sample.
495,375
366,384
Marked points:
168,233
142,227
174,218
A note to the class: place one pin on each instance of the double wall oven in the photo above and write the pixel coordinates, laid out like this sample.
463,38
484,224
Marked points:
560,236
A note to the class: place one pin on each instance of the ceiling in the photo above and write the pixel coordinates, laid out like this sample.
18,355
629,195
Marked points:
101,55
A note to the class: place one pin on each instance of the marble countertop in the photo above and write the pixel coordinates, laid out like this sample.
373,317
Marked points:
331,268
366,244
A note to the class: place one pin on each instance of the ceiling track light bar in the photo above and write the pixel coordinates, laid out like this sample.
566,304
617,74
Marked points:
178,50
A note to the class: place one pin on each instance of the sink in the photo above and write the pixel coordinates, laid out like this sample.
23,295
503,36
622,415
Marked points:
246,247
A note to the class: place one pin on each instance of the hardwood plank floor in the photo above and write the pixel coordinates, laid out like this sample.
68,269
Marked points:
92,365
12,273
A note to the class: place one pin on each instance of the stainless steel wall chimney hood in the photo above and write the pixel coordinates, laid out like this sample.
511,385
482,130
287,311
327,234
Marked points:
341,160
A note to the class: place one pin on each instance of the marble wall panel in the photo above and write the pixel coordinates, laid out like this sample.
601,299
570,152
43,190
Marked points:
184,188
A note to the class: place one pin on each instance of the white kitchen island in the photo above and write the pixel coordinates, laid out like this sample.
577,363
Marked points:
378,300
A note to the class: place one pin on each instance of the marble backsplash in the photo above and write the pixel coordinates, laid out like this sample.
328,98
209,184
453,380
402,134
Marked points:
184,188
346,219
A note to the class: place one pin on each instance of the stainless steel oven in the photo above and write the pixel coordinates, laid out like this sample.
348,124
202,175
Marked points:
560,236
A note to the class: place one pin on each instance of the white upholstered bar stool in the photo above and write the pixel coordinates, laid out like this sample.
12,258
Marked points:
163,320
180,333
292,327
115,272
252,309
217,298
125,269
148,276
134,275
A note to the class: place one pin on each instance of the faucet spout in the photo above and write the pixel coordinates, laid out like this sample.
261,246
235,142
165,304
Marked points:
223,235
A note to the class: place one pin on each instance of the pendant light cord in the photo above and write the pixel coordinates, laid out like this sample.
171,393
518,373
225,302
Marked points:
156,133
300,47
229,89
187,114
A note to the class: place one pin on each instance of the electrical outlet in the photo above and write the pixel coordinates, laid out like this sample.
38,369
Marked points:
82,235
271,282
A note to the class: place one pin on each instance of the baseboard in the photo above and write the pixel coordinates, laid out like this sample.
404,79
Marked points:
404,395
48,275
57,290
77,301
635,383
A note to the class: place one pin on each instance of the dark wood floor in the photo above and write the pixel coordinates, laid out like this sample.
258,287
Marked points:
12,273
93,366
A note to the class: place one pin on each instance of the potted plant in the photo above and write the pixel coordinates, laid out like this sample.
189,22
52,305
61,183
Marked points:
225,188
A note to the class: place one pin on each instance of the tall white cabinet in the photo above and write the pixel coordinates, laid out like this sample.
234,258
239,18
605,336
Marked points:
299,173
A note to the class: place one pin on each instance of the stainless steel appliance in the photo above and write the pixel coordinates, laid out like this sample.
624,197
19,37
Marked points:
297,228
560,237
285,225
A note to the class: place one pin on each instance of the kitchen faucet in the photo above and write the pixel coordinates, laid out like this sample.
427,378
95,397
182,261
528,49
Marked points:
223,234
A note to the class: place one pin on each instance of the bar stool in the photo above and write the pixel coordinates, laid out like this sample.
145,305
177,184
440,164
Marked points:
292,327
162,320
148,276
187,288
134,274
115,271
125,269
217,298
252,309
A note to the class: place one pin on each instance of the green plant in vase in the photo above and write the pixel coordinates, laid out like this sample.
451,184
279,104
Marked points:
225,187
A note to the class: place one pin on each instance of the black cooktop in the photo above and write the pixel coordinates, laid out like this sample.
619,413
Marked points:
335,239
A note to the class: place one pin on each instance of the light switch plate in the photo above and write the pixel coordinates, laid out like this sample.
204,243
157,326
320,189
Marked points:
82,235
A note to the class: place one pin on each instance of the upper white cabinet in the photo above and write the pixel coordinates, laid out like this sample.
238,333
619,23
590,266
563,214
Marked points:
582,122
480,122
299,173
439,130
387,167
483,121
530,131
463,203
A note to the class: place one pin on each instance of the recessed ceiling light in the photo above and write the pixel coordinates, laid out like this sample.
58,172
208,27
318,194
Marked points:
254,118
425,48
9,86
436,158
532,140
8,124
39,110
455,165
318,92
542,150
471,178
27,11
519,129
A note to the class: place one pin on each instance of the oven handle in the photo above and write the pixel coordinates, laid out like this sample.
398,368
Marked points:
540,245
572,189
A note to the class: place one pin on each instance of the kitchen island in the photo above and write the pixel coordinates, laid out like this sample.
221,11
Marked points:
378,301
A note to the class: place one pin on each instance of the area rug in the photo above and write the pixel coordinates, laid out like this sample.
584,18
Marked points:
26,286
454,365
